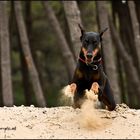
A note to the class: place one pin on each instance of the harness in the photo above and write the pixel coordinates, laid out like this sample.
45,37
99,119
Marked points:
95,64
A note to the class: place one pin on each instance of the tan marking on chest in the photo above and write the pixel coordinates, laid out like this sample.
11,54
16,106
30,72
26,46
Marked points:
96,76
79,73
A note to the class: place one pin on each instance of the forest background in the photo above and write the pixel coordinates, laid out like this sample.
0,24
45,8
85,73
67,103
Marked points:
39,45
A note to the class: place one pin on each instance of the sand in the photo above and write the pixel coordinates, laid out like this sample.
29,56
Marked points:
67,123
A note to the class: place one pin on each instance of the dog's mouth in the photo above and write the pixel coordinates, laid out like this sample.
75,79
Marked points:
89,56
89,60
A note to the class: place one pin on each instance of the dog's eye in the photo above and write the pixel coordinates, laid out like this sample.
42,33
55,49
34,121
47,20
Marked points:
85,43
95,43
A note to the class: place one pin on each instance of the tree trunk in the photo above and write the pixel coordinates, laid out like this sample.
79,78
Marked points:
137,5
29,27
131,70
28,18
28,92
127,37
5,56
73,18
120,66
66,53
24,70
108,50
135,27
25,78
126,32
28,57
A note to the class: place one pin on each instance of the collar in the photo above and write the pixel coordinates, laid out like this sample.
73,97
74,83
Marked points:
94,61
94,66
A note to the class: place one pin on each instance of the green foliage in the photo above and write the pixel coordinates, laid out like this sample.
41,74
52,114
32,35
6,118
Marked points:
37,9
19,98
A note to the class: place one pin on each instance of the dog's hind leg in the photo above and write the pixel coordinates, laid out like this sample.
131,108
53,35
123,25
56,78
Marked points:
107,97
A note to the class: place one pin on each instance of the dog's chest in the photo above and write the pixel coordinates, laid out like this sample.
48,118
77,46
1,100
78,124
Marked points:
91,75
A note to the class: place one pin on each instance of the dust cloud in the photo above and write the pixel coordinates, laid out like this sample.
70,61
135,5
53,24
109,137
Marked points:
66,96
90,117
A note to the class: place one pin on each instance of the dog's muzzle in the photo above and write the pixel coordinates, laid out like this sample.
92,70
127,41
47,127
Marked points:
89,55
89,58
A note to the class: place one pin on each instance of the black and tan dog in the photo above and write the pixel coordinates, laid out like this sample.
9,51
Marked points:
89,70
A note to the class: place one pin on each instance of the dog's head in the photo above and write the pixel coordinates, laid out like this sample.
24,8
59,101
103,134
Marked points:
91,44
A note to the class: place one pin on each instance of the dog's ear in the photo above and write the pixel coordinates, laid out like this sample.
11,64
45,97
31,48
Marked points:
82,31
102,32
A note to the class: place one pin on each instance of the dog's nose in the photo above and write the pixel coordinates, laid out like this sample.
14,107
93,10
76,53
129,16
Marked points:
89,55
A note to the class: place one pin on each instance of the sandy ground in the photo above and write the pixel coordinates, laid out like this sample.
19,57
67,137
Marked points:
68,123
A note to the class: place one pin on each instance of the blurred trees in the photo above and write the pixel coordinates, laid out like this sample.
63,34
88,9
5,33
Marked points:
108,51
27,55
46,34
62,42
5,56
128,78
72,14
135,28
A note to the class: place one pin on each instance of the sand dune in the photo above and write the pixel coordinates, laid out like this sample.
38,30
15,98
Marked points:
66,122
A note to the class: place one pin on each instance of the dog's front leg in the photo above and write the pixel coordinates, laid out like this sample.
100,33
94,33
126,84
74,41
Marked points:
69,90
92,93
73,87
95,87
101,82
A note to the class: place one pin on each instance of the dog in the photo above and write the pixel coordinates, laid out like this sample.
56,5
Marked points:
89,70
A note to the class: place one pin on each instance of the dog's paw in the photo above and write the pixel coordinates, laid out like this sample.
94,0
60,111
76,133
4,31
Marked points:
69,90
95,87
73,88
90,95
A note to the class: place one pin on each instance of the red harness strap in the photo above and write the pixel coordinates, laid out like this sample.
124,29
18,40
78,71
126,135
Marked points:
82,60
99,60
